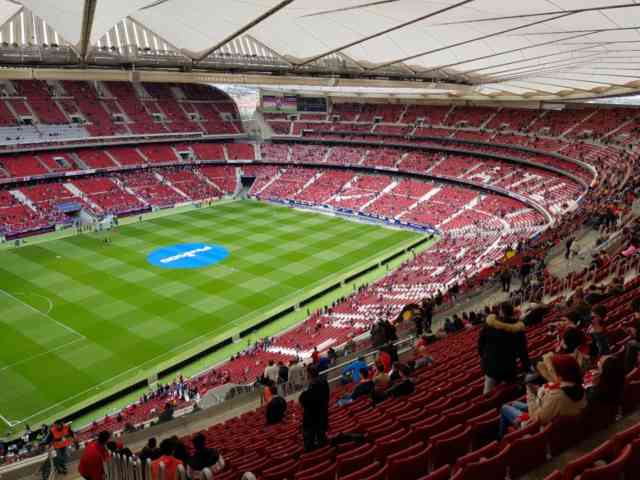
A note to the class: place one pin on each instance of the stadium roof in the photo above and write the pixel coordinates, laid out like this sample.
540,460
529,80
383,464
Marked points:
482,48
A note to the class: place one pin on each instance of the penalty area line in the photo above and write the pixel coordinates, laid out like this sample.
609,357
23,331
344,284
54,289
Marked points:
46,315
41,354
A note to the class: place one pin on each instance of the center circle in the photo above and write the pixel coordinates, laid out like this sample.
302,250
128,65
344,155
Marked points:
187,255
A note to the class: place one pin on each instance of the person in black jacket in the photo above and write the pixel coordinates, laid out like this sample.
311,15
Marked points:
315,405
203,457
501,343
276,408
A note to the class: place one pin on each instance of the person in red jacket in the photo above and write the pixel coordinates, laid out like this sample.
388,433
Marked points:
95,454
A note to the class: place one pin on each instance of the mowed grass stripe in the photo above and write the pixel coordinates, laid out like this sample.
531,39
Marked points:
132,312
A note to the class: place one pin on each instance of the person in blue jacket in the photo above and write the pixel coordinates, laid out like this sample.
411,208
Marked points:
351,373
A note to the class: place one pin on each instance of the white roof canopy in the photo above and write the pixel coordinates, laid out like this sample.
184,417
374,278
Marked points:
496,45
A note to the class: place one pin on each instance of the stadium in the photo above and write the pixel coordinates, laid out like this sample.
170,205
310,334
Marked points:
338,240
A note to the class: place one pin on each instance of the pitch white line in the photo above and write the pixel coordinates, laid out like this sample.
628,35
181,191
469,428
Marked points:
25,294
140,366
42,354
8,422
32,308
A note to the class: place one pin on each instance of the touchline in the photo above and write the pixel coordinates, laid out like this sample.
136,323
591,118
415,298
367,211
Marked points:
189,254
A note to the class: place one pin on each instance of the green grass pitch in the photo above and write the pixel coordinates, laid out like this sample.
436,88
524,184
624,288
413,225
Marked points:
80,318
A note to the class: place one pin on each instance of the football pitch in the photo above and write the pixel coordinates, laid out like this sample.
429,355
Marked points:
82,318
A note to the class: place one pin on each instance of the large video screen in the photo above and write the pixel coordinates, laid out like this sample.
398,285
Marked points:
279,103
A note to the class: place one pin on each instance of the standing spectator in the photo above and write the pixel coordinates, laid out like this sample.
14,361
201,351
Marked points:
296,374
567,247
505,278
91,465
61,437
315,405
427,313
167,458
271,371
203,457
283,372
150,451
276,408
501,343
315,356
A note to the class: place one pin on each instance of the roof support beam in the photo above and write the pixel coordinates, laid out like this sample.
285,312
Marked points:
471,40
543,65
384,32
506,52
529,59
540,14
242,30
88,13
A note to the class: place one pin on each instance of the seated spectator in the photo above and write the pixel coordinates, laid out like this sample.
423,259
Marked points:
203,457
565,396
404,385
381,378
632,349
364,388
578,310
598,332
276,408
458,324
449,327
536,314
351,373
608,382
422,358
572,340
171,463
95,454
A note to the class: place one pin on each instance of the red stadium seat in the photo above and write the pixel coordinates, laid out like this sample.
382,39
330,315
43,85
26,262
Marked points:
494,468
527,452
441,473
615,470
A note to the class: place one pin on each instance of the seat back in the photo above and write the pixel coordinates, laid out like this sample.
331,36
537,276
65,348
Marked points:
612,471
604,452
441,473
565,433
349,462
494,468
528,452
409,467
364,472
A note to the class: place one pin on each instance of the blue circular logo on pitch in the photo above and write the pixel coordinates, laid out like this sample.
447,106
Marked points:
187,255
